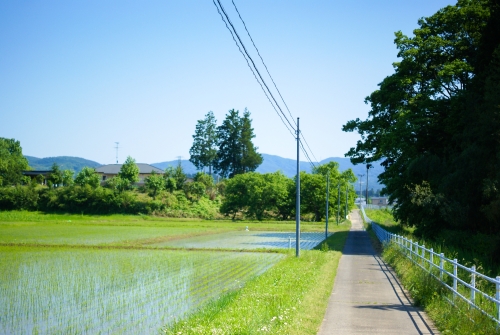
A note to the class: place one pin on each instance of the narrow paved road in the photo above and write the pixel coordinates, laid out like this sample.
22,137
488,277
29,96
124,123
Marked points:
367,297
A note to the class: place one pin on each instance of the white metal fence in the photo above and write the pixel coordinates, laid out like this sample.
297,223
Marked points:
472,287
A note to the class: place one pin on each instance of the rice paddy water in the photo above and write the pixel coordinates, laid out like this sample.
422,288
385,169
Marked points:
119,291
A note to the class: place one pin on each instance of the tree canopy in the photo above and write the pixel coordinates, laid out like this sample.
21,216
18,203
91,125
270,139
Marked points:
129,171
236,153
204,150
435,122
12,162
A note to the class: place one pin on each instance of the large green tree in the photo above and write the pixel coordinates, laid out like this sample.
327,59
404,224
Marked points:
12,162
256,195
88,176
424,125
129,171
204,149
236,154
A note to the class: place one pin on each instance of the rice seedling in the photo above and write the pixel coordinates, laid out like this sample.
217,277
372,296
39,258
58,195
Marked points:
119,291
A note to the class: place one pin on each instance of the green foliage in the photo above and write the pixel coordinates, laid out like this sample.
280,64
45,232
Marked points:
205,179
255,194
236,154
129,171
203,151
434,122
12,162
118,184
55,178
67,177
154,183
194,190
19,198
87,176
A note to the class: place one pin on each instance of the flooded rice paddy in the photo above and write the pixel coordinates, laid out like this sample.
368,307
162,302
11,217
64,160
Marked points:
74,290
98,291
249,240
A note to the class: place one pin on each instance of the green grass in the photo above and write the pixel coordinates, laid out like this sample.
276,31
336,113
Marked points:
290,298
430,294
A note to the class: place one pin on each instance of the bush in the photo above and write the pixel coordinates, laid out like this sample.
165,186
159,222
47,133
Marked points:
19,198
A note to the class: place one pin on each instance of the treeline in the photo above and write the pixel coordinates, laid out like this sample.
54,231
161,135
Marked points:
162,194
435,124
272,195
248,195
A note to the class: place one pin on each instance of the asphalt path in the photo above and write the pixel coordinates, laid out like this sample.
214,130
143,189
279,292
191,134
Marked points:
367,297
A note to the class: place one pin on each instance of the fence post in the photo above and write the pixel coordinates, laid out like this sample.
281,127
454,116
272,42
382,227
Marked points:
441,266
473,284
431,257
411,249
423,255
498,297
455,278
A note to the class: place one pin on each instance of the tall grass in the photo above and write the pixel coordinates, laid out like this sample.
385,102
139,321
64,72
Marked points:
457,318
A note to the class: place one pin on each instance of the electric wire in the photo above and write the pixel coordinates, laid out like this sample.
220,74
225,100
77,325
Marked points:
253,63
310,150
270,76
306,154
263,63
251,69
225,18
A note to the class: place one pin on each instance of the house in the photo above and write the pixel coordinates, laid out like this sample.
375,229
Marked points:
109,171
379,201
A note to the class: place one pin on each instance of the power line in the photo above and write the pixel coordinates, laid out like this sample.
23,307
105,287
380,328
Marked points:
307,155
251,39
310,150
257,75
270,76
251,69
251,60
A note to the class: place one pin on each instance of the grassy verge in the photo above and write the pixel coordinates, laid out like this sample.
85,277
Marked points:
427,292
290,298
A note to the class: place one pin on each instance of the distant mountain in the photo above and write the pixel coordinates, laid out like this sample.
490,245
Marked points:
65,163
272,163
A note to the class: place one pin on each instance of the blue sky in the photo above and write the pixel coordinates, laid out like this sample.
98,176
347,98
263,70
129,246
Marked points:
78,76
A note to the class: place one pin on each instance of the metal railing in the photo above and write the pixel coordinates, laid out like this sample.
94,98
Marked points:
474,288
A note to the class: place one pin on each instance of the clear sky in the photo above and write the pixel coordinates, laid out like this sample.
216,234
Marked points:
78,76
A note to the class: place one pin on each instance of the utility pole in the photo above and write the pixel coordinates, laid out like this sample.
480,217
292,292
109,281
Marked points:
360,194
297,198
338,207
117,143
346,198
327,199
368,166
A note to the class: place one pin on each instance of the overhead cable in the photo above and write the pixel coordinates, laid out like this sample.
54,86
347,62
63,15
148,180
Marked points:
251,60
263,63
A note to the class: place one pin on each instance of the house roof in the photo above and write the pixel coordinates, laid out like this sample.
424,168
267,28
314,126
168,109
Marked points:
115,168
36,172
